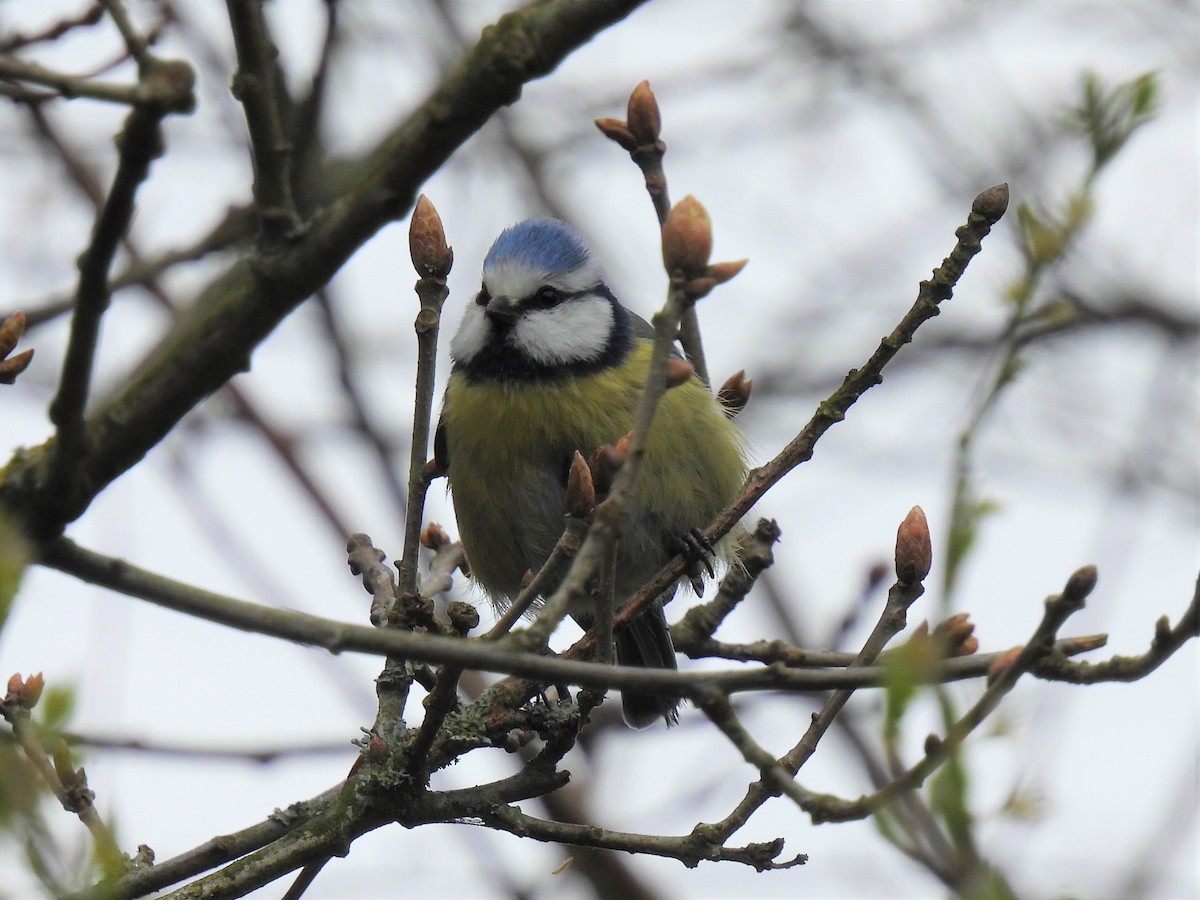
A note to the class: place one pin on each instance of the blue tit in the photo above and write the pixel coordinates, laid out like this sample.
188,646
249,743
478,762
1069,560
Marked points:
546,362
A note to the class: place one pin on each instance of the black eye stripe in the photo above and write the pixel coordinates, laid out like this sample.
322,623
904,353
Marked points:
558,298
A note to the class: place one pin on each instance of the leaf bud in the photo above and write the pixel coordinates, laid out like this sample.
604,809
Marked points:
581,493
15,365
1081,583
1000,664
431,256
679,371
642,115
914,549
10,332
687,238
618,131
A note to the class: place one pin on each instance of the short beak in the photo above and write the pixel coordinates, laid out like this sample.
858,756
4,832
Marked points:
503,311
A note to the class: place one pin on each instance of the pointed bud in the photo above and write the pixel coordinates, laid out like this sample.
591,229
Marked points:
955,635
679,371
1000,664
526,578
434,536
604,463
735,392
10,332
431,256
644,119
434,469
723,271
15,365
1075,646
581,493
24,692
618,131
914,549
687,238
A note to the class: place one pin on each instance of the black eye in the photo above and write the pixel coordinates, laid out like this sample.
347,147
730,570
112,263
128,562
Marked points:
483,298
547,297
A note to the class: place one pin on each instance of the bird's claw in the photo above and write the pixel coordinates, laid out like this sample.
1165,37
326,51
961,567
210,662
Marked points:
699,552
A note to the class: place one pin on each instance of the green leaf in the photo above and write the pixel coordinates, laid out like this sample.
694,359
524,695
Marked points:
55,708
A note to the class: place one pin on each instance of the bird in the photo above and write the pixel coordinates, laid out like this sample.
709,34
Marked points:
547,362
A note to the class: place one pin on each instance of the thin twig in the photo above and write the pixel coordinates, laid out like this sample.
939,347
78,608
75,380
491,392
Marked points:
340,637
68,785
134,42
258,84
140,143
1058,609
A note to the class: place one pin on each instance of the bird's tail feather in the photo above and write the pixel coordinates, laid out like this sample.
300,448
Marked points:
645,642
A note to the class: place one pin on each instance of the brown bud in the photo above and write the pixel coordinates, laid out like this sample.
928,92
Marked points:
15,365
933,744
723,271
431,256
616,130
434,536
679,371
10,332
955,635
1000,664
687,238
434,469
24,692
642,115
604,463
462,615
735,392
914,549
1081,583
581,493
526,578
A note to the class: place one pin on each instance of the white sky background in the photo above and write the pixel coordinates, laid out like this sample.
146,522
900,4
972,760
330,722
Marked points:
843,199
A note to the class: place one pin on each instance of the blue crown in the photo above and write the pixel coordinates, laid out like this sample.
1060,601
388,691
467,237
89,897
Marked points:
545,244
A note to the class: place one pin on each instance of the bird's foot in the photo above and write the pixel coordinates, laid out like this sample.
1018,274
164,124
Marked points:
699,553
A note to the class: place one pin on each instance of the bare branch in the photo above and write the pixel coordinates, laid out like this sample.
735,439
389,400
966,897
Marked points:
258,83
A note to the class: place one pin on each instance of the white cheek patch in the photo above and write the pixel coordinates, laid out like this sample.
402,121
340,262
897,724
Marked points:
472,335
576,331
